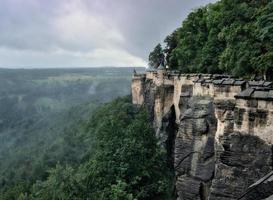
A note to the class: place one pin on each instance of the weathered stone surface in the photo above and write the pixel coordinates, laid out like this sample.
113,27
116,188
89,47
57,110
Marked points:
259,83
218,135
168,131
256,93
149,97
228,82
194,150
218,82
262,189
241,160
188,188
240,82
246,93
255,83
260,94
225,117
267,84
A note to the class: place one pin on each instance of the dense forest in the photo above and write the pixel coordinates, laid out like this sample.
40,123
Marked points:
118,158
39,108
229,36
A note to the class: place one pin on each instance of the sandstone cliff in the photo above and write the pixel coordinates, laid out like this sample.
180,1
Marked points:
218,131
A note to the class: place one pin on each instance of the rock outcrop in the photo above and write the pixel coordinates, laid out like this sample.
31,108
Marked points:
262,189
218,131
194,150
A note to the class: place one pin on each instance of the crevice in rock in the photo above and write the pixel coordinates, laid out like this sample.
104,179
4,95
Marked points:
209,159
149,98
171,132
204,190
272,156
260,190
184,158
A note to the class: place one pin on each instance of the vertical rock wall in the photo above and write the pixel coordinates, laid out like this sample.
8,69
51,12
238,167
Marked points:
138,89
162,107
218,145
241,158
194,150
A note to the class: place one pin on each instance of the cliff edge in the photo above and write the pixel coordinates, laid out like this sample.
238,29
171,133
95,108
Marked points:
217,130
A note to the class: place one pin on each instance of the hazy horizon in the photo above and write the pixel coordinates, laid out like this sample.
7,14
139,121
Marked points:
72,67
81,33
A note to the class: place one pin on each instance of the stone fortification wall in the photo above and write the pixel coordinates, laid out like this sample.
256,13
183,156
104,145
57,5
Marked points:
218,87
137,87
223,133
254,111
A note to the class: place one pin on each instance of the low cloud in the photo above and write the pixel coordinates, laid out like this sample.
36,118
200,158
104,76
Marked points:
82,33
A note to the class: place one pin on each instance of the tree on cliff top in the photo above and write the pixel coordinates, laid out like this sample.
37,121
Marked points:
171,43
230,36
156,57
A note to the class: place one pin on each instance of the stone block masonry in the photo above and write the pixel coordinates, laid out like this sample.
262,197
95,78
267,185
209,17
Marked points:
223,133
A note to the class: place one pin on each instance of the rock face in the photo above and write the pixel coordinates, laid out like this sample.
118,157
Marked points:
218,132
262,189
194,150
241,160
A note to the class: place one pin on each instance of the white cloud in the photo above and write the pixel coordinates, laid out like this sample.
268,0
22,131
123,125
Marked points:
13,58
77,27
85,33
115,57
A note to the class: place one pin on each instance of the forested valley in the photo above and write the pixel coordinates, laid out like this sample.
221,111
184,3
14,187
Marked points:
59,140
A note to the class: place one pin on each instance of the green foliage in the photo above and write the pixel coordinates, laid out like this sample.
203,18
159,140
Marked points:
18,191
61,184
127,163
229,36
156,57
43,117
127,151
265,26
118,192
171,43
122,160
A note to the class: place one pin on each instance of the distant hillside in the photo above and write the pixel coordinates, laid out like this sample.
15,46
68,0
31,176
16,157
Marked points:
38,109
111,154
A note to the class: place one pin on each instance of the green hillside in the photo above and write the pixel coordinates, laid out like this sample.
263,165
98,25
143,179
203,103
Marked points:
39,110
112,154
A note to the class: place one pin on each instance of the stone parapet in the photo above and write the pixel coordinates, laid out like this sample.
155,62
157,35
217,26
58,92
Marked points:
216,86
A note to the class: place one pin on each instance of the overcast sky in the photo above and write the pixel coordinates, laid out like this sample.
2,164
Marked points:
86,33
